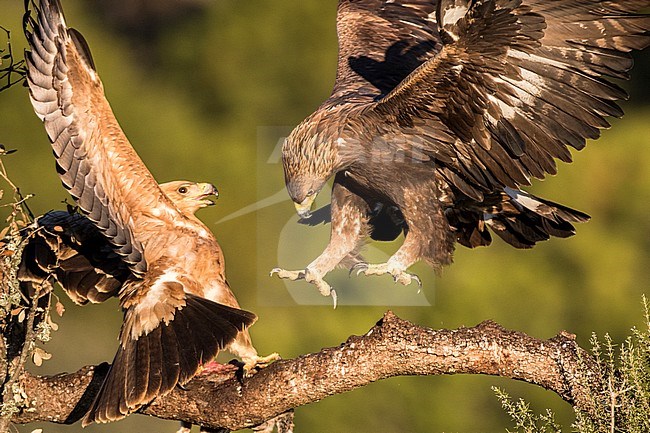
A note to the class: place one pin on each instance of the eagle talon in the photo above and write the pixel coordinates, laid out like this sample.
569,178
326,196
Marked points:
405,278
360,267
334,297
288,275
399,275
258,362
323,287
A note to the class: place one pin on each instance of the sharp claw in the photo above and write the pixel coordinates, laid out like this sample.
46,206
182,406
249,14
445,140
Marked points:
334,297
310,277
287,275
358,267
399,276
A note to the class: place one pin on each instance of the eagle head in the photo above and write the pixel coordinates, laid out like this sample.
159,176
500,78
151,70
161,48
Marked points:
303,192
189,196
309,161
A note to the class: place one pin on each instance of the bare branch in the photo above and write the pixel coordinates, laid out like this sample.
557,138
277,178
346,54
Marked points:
393,347
12,72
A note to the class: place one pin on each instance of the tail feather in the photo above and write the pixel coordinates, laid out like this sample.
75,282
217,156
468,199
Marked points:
519,218
171,354
546,208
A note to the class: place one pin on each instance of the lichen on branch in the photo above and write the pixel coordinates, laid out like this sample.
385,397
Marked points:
393,347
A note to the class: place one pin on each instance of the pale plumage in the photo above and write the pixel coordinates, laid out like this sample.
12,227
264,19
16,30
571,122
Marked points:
147,247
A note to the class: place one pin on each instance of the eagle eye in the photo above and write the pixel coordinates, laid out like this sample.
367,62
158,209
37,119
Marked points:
182,190
310,192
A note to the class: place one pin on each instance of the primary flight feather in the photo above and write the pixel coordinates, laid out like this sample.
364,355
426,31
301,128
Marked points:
443,110
137,240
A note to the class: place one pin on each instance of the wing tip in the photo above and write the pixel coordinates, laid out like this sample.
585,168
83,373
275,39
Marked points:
175,350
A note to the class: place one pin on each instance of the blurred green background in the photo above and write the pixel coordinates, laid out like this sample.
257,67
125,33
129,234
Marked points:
205,89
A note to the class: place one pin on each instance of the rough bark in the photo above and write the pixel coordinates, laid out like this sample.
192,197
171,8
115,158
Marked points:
393,347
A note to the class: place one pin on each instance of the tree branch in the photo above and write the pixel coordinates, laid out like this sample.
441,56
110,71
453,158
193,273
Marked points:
393,347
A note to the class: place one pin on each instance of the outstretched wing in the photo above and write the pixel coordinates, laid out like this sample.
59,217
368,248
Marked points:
95,160
70,247
380,43
516,84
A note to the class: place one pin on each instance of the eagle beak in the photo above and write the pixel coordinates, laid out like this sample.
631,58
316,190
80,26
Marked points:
207,190
304,209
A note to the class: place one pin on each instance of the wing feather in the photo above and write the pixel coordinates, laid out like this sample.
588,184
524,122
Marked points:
68,246
95,161
380,43
517,83
158,352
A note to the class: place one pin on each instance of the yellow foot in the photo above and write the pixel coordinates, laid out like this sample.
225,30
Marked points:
324,288
399,275
256,362
288,275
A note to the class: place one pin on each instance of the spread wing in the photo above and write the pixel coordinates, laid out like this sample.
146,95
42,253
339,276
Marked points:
70,247
95,161
380,43
516,84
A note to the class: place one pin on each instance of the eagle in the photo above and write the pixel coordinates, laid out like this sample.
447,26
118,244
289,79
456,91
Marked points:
135,239
443,110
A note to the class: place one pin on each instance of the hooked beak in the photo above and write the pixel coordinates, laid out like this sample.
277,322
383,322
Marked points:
304,209
207,190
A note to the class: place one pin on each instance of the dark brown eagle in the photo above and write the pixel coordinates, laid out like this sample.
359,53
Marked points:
136,240
442,110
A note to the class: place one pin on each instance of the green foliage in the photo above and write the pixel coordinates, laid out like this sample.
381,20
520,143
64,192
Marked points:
624,404
526,421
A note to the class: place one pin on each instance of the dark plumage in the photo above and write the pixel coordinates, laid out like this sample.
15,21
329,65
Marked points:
68,246
442,110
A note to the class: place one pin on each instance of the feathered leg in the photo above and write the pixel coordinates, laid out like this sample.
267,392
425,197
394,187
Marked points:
349,228
429,238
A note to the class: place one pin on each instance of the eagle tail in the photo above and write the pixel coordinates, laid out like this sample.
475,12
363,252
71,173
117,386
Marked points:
169,355
532,220
519,218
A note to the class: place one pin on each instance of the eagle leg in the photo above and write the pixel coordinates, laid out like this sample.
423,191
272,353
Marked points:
399,274
311,277
257,362
250,360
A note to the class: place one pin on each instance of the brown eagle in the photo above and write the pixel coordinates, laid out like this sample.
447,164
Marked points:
137,240
441,112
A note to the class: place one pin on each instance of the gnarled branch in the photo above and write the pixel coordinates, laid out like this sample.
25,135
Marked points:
393,347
